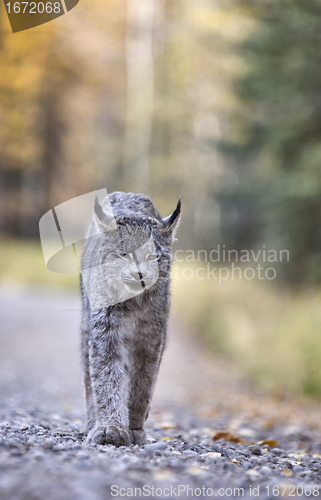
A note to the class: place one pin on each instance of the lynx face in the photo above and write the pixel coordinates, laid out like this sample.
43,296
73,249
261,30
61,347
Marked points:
124,262
138,268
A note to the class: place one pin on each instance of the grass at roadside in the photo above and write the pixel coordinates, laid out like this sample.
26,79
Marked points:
23,262
273,335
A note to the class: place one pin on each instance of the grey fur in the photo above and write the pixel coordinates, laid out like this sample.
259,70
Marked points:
122,344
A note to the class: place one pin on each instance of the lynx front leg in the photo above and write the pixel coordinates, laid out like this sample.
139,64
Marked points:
85,329
145,364
90,408
109,381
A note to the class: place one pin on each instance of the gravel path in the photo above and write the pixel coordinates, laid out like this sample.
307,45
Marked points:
210,433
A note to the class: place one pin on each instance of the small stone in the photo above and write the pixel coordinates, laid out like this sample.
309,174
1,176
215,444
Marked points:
255,449
15,429
315,467
39,455
247,465
266,471
190,454
83,454
157,446
48,444
277,451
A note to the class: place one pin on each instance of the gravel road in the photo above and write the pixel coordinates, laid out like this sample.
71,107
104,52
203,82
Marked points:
210,433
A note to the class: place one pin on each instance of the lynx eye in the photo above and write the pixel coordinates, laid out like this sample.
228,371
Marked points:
125,256
113,255
152,257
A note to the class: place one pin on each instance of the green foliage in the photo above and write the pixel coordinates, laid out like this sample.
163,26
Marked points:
277,153
23,262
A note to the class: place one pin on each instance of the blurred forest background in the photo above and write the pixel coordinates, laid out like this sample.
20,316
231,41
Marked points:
219,102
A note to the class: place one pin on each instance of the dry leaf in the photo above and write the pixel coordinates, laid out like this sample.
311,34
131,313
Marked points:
228,437
168,425
298,456
235,461
164,475
272,443
253,473
211,454
286,472
195,471
269,424
210,412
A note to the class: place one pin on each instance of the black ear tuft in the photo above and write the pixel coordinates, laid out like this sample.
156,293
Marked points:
176,212
104,220
170,223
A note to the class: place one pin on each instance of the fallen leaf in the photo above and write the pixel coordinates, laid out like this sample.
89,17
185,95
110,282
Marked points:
207,430
209,412
269,424
247,433
164,475
272,443
292,462
286,472
235,461
195,471
211,454
297,456
253,473
228,437
168,425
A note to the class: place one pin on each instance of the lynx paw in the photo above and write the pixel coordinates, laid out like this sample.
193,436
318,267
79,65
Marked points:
138,436
110,434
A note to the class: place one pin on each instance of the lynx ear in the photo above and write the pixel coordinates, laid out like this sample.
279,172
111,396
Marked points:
170,223
106,221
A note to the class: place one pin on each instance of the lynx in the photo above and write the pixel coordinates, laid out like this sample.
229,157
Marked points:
125,284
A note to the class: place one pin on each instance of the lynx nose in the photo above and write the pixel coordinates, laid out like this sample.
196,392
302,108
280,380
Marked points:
135,276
